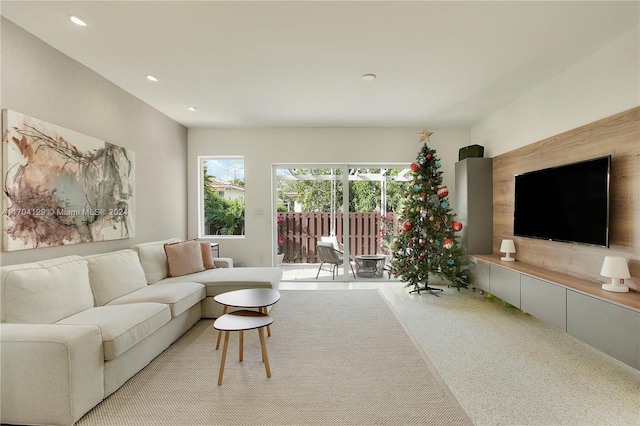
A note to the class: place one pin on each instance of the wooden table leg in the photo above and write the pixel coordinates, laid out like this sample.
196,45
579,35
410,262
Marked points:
224,311
224,357
264,311
265,358
241,346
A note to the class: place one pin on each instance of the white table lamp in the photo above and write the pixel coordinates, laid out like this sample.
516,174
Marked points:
615,267
507,247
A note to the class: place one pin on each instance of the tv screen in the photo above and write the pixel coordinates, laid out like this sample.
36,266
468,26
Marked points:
567,203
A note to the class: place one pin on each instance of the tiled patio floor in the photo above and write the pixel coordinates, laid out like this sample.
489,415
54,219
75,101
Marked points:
308,271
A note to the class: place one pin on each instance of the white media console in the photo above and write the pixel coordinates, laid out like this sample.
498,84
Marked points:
607,321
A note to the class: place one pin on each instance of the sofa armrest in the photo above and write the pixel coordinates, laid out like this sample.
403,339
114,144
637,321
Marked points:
49,373
223,262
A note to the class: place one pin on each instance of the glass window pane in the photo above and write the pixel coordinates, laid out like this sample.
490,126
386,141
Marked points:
222,192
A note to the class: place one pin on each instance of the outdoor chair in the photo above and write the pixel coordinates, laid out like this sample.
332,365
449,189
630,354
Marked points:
336,244
330,257
333,240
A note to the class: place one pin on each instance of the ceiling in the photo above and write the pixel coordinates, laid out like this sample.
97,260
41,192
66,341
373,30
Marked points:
300,63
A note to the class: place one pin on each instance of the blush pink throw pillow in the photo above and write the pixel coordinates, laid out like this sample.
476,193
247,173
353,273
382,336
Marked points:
184,258
207,255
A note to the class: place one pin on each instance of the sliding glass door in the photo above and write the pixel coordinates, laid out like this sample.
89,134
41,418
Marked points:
374,198
341,203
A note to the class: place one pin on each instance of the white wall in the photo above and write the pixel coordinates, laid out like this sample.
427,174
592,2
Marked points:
264,147
606,83
40,81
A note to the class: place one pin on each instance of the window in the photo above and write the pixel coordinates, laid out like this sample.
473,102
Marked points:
222,196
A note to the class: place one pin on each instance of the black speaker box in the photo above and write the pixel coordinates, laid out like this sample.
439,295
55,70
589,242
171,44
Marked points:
471,151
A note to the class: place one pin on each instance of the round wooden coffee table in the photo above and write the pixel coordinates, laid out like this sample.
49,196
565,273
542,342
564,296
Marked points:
240,321
249,298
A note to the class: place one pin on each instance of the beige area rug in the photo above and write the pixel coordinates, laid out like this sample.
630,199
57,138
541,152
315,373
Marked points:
337,358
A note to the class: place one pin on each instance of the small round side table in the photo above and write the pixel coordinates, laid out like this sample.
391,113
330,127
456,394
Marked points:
249,298
240,321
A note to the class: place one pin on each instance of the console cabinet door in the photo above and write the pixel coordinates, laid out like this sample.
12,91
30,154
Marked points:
611,328
480,274
505,284
544,301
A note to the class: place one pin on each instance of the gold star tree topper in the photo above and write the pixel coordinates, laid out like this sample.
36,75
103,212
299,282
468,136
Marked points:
424,136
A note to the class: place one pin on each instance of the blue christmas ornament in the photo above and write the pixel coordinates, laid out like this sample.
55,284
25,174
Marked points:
437,165
437,242
444,204
416,188
450,262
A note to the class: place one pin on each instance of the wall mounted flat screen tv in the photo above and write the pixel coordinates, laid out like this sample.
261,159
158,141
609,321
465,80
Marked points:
567,203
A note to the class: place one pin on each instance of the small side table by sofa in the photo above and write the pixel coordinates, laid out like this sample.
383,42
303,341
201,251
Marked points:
240,321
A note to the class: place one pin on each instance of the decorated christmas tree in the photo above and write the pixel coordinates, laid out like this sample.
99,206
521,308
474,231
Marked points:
427,243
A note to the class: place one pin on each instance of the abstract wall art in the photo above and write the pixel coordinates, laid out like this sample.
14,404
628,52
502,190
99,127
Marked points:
62,187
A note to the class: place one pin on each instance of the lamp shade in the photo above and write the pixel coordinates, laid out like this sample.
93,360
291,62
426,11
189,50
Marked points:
615,267
507,246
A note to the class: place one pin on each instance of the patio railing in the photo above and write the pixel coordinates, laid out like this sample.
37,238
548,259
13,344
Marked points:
301,232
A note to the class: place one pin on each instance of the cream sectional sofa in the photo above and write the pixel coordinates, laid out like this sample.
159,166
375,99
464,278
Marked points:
74,329
220,280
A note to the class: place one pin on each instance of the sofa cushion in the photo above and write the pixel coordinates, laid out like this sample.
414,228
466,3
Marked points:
220,280
122,326
115,274
184,258
179,296
154,259
207,255
45,292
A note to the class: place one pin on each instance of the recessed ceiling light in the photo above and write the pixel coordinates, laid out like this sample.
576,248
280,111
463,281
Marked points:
78,20
151,78
192,108
368,77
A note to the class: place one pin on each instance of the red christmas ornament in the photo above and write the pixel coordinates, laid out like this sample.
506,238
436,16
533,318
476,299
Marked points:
409,244
421,243
407,225
457,226
448,243
420,258
415,167
428,156
443,191
394,271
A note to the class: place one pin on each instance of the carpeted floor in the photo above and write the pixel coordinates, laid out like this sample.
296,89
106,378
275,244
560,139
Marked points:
336,358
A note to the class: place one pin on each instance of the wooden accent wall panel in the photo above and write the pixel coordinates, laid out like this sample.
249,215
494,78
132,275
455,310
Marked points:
617,135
